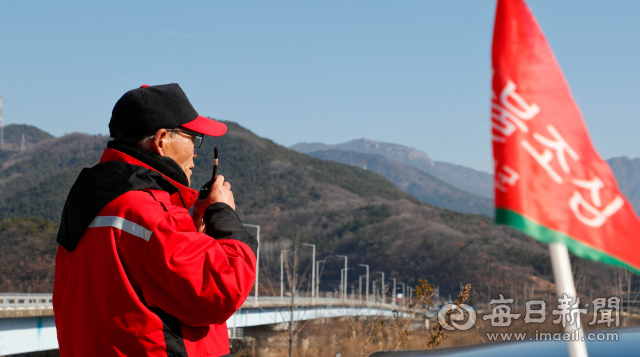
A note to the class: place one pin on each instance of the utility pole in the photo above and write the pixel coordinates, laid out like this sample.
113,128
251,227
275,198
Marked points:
393,302
313,270
318,276
367,286
282,272
344,287
382,288
257,227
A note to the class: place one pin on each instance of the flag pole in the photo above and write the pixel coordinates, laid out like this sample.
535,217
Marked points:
565,285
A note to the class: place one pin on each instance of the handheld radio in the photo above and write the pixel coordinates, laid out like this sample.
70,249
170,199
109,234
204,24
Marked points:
204,191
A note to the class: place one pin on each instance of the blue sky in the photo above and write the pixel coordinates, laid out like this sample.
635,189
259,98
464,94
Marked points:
414,73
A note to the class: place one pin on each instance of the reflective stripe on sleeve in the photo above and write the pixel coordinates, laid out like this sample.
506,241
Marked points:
123,225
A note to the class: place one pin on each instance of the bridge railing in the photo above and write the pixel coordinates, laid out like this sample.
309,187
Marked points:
25,301
316,301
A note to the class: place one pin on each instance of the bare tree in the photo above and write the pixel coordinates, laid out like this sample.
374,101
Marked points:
292,276
294,279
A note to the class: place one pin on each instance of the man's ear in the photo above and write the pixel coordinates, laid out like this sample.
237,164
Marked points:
158,144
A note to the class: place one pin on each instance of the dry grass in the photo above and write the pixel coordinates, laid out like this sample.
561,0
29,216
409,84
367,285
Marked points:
326,337
359,336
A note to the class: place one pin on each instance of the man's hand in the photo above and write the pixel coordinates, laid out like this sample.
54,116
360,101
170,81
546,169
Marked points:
220,192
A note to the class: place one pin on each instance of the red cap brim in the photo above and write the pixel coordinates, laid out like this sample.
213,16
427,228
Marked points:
206,126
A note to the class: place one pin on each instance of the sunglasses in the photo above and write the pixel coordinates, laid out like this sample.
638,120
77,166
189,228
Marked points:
197,137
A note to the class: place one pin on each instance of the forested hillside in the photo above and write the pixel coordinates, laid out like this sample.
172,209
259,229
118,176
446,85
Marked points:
342,209
13,136
35,183
27,254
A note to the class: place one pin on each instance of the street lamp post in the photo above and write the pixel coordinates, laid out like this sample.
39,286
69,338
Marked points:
257,227
344,287
382,288
282,272
375,292
341,290
318,276
343,272
313,270
393,302
367,286
360,287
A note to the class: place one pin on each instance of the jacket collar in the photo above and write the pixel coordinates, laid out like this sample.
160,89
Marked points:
188,195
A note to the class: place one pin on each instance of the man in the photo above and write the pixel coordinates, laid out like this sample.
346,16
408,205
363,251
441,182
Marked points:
136,274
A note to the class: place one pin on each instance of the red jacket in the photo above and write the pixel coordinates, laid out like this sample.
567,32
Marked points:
142,281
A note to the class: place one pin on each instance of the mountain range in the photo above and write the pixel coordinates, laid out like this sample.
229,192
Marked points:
415,182
476,182
342,209
627,172
436,182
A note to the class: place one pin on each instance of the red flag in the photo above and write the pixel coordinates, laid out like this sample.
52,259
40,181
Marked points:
550,182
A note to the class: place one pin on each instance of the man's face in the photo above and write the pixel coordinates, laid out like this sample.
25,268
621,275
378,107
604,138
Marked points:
176,145
182,151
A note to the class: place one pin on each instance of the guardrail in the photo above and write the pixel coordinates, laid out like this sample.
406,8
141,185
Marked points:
22,301
25,301
264,301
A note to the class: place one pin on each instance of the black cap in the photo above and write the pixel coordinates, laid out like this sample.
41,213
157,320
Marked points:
147,109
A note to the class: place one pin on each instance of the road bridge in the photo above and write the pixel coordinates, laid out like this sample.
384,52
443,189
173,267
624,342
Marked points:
27,324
